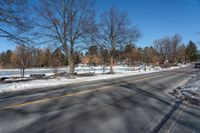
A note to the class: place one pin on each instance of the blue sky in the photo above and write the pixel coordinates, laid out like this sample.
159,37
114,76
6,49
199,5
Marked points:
155,19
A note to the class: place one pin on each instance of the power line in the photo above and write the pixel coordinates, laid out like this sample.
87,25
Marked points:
185,2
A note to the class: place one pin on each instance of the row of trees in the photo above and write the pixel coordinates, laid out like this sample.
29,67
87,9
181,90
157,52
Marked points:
24,56
71,26
169,50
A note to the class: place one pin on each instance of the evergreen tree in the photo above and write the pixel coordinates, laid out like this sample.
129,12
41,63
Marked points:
191,52
5,58
93,50
58,57
92,53
198,55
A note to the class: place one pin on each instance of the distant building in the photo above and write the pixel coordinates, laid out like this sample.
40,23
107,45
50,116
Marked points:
85,60
91,60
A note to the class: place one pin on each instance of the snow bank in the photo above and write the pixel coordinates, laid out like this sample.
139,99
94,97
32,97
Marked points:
191,91
193,88
120,72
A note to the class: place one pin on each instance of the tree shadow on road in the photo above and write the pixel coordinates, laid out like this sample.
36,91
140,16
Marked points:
130,107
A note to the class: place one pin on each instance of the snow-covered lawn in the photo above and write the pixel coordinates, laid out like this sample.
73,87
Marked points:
79,69
120,72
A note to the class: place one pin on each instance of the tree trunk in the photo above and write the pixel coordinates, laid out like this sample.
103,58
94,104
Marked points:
71,68
71,65
111,65
22,72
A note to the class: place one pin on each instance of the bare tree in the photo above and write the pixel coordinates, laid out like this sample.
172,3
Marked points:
115,32
68,23
23,55
181,54
176,42
14,20
167,48
149,55
163,48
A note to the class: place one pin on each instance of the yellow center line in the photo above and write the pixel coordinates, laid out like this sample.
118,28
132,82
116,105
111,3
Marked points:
72,94
55,98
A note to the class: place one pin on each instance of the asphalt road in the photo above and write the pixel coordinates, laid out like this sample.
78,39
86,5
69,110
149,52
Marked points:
126,105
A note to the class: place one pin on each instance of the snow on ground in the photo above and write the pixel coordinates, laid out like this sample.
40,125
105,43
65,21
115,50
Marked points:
48,71
193,88
191,91
120,72
28,72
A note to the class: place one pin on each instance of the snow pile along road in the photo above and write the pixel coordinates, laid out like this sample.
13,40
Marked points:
191,91
61,81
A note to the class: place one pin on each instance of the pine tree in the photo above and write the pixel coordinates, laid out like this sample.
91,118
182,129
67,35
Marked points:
191,52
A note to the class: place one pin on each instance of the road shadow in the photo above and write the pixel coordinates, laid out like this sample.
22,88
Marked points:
129,107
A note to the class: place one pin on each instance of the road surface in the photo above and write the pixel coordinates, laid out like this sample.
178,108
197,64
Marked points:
139,103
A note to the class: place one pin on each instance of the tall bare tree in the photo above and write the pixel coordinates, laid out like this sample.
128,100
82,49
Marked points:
175,44
167,48
163,47
181,54
115,31
14,20
68,23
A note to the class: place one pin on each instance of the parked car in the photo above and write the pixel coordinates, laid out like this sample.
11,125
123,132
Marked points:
197,65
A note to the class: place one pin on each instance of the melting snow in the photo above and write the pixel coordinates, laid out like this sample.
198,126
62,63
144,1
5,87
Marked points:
120,72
